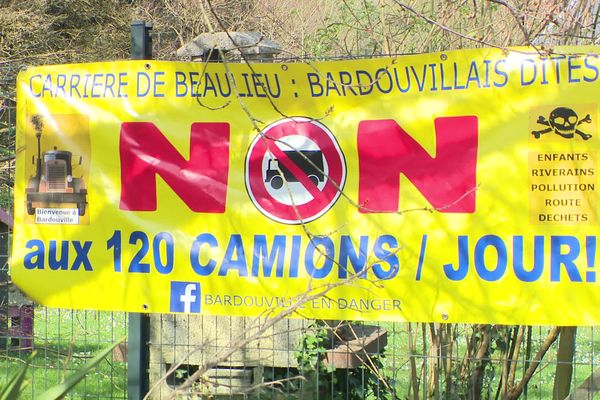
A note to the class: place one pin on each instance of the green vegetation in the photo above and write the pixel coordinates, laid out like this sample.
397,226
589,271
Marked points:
444,361
388,375
64,343
368,381
14,388
66,340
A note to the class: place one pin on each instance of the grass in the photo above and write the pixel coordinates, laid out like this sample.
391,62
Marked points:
396,367
64,340
586,360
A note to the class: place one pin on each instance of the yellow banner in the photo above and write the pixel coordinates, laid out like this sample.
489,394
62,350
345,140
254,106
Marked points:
455,187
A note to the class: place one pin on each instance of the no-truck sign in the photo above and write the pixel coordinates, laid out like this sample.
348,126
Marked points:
295,170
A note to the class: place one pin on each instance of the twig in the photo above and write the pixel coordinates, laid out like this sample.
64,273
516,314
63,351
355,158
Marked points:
445,28
516,391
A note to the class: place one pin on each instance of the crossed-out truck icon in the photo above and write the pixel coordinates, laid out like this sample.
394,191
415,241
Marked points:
309,161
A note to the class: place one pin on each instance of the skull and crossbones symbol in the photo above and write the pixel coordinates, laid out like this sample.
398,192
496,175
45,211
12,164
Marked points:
564,122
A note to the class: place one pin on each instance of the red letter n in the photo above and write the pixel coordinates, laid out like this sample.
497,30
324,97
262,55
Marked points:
201,181
447,180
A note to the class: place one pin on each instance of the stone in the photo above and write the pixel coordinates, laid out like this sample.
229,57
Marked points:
233,44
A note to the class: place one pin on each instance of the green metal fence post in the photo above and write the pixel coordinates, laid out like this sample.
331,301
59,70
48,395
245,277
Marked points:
139,324
137,356
141,40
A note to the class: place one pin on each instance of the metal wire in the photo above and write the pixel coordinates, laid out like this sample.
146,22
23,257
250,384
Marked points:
297,359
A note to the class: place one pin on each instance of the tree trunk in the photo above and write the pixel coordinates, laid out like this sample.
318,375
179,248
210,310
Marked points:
588,388
414,378
480,360
564,363
433,389
516,391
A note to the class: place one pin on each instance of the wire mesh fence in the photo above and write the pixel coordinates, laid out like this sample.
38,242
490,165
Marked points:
303,359
54,342
227,357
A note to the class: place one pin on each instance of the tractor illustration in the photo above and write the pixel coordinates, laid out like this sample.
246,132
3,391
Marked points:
53,182
309,161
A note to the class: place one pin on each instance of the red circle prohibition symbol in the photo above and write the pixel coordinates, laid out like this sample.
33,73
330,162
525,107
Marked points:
295,170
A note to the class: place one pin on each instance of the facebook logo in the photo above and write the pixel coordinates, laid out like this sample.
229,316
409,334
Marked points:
185,297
